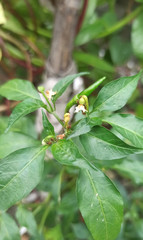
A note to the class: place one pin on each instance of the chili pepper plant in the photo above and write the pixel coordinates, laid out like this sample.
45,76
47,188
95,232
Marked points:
95,140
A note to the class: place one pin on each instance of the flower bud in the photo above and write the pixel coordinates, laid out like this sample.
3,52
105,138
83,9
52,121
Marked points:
82,101
41,89
67,117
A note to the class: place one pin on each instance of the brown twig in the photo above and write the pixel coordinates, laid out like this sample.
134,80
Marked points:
82,16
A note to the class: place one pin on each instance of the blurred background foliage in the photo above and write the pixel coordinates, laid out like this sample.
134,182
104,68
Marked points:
109,43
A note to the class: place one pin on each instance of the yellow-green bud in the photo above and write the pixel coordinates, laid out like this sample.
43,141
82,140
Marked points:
41,89
66,117
82,101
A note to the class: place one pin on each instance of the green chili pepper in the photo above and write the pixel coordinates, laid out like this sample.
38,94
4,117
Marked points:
86,92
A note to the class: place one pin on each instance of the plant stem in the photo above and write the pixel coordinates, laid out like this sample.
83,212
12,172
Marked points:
59,120
39,207
44,95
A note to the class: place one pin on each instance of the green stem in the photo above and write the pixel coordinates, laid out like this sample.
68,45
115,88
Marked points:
38,208
59,120
44,95
121,23
46,212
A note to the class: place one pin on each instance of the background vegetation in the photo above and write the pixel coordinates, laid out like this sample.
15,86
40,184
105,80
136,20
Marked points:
109,43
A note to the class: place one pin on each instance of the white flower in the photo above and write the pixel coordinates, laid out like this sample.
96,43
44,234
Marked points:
50,93
80,107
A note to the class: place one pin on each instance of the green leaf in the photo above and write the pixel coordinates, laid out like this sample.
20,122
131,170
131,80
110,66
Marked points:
131,168
81,232
8,228
56,186
137,36
26,219
93,61
24,108
54,233
14,51
68,206
100,204
117,45
90,15
66,152
18,90
62,84
13,24
13,141
48,127
22,126
128,126
102,144
84,126
92,31
20,172
115,94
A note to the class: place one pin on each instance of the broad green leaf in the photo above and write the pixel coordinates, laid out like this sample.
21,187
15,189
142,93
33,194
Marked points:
66,152
12,141
26,219
128,126
100,204
18,90
84,126
137,36
48,127
102,144
93,61
131,168
27,106
22,125
20,172
62,84
2,16
8,228
115,94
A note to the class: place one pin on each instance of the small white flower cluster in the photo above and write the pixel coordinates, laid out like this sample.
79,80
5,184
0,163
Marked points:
50,93
80,107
